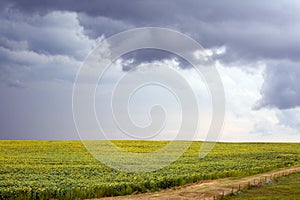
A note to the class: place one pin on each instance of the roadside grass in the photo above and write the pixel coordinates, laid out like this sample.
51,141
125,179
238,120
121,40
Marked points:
283,188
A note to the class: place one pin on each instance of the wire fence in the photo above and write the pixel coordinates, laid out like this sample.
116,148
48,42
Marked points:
249,183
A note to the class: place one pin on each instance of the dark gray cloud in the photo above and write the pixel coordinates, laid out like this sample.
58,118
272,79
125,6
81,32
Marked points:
47,39
34,47
20,67
250,30
98,25
281,86
56,33
150,55
290,118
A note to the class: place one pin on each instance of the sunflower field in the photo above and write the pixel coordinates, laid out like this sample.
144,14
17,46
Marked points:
66,170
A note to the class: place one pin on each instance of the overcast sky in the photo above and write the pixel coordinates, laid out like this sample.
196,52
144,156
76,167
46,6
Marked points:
255,46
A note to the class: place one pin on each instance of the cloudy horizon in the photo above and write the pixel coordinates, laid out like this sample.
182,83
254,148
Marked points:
255,46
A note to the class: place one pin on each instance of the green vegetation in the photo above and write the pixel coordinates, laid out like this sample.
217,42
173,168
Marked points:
66,170
283,188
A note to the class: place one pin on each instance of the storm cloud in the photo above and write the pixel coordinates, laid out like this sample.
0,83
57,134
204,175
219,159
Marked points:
46,41
251,31
281,86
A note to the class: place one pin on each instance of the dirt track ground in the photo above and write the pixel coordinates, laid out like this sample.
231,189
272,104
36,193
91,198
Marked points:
208,189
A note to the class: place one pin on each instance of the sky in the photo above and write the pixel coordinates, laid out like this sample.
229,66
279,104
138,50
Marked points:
254,45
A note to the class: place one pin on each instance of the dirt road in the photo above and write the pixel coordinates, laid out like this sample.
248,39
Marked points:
209,189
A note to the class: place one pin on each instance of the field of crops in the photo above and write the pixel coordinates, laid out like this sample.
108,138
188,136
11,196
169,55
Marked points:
66,170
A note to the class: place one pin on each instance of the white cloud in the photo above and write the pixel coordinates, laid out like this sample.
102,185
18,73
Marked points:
54,33
42,47
242,90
